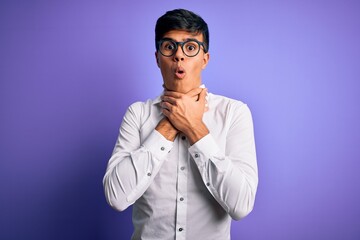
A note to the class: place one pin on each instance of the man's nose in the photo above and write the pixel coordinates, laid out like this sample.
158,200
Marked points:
179,54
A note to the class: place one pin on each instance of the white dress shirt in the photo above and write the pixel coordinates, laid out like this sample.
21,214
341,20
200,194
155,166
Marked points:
181,191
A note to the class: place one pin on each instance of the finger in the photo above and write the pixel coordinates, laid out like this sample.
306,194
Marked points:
173,94
194,92
165,112
169,99
167,106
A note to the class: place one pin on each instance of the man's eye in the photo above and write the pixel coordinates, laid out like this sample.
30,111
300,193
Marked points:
190,47
169,46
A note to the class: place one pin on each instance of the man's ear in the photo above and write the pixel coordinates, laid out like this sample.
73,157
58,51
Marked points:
206,59
157,58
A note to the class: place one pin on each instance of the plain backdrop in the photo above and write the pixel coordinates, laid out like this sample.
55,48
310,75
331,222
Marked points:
69,69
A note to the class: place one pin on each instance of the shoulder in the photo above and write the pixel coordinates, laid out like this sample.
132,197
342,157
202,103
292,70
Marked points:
225,103
236,113
141,106
141,110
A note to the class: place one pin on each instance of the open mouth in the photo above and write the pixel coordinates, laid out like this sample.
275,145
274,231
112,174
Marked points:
180,72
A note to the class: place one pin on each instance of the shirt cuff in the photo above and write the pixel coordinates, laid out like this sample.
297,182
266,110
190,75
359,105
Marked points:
158,145
202,150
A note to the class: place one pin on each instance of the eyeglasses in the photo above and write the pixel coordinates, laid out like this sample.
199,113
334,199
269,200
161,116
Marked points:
190,48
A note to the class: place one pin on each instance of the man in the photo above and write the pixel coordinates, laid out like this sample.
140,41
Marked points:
186,160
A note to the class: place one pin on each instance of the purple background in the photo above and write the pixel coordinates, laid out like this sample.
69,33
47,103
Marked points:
69,69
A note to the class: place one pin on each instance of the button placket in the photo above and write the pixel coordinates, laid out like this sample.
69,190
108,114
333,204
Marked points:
181,205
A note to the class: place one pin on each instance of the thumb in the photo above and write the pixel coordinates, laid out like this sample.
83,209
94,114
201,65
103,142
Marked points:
202,95
194,92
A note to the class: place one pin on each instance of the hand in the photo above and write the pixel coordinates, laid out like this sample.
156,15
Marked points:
166,129
185,112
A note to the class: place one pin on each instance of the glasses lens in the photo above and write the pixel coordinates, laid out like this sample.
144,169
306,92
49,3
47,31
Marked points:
167,47
191,48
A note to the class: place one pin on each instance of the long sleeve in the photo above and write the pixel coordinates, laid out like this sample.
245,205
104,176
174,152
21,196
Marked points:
134,162
230,176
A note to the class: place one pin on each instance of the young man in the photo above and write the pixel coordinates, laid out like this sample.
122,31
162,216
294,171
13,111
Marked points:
186,160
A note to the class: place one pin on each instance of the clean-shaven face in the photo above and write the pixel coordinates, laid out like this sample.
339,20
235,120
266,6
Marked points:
182,73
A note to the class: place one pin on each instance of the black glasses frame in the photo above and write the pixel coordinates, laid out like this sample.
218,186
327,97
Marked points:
159,43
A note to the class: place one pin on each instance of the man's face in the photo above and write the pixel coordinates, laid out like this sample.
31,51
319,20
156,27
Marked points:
182,73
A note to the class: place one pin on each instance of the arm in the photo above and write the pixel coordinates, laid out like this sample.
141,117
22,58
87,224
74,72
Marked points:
133,164
231,177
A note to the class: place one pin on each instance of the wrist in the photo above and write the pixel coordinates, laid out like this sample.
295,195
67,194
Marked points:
166,129
196,132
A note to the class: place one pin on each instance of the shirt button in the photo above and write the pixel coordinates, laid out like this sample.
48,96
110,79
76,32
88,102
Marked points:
196,155
149,174
183,137
162,148
180,229
182,168
181,199
207,184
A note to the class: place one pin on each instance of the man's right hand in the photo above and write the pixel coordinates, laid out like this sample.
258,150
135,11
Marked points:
166,129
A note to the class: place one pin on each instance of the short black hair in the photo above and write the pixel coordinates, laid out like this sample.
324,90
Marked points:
181,19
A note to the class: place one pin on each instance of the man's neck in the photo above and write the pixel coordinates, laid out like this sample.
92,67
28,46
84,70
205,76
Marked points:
183,89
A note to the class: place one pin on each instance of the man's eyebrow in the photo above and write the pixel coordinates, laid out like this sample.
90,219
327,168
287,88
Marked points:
186,39
192,39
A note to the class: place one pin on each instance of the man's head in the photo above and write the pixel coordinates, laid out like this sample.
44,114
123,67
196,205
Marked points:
181,19
182,44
